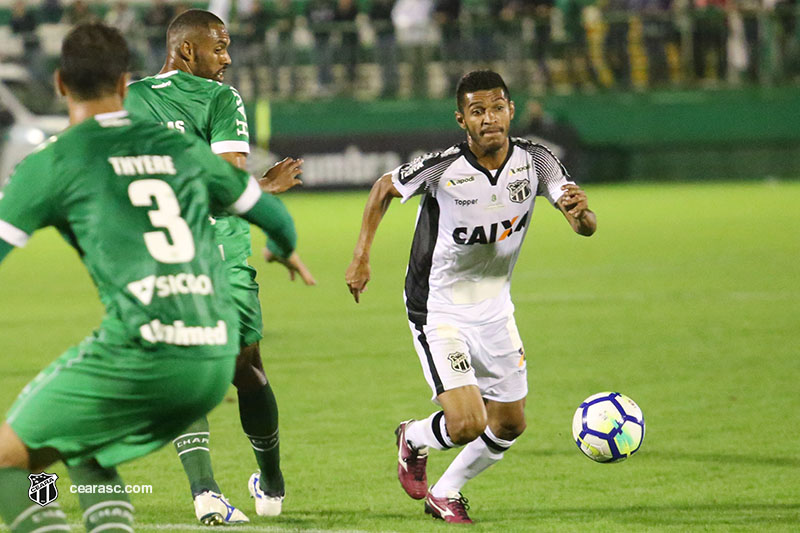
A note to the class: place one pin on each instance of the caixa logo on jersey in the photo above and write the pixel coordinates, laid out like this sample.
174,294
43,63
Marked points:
43,488
499,231
519,191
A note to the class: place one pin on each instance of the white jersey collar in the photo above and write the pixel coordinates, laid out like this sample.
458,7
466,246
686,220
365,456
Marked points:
112,115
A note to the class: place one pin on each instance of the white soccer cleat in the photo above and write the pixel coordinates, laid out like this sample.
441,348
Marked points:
266,505
213,509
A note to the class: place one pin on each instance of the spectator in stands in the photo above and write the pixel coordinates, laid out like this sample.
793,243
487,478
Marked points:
78,13
481,17
787,15
253,26
508,16
222,9
125,19
23,23
578,44
541,12
320,17
380,15
51,11
122,17
617,56
156,20
413,21
282,50
345,16
710,40
656,28
447,15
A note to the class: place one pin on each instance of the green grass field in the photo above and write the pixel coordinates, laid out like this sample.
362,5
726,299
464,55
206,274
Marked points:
687,299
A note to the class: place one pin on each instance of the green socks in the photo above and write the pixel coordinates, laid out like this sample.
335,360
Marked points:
258,411
106,511
192,448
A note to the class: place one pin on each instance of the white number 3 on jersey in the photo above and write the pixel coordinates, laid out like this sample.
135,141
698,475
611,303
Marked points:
167,215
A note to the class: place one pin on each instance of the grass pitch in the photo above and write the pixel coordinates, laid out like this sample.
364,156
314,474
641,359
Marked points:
687,299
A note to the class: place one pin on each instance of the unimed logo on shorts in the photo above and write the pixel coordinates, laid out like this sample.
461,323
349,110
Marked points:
43,488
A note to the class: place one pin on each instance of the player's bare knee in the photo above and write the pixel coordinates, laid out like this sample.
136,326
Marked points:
463,430
247,378
249,373
13,453
510,429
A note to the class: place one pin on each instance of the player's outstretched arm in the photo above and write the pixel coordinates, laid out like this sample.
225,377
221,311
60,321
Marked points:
293,264
358,273
575,206
279,178
271,215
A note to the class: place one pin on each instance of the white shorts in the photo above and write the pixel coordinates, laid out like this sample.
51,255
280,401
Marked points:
490,356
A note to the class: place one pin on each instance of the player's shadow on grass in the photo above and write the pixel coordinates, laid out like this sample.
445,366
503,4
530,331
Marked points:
727,514
700,457
337,518
725,458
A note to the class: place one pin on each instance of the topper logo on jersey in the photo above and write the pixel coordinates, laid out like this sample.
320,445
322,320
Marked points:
479,234
164,286
519,191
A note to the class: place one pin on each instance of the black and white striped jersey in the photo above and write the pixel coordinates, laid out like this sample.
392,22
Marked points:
470,227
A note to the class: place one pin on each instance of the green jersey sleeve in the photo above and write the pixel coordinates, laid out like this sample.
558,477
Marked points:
31,199
229,131
229,188
234,191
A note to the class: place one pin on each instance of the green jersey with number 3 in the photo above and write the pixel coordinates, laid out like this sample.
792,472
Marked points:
207,109
134,198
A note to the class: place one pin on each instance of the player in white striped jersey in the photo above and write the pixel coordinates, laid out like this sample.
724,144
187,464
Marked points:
476,207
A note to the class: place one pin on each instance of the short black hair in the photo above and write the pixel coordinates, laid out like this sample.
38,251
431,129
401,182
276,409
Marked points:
93,57
191,20
479,80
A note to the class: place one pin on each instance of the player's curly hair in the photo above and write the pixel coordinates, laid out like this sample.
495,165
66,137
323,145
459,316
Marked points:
479,80
93,57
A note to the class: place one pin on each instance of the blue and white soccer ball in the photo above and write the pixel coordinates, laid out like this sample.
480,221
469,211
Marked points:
608,427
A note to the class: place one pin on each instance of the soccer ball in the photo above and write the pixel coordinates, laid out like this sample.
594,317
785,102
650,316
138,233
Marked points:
608,427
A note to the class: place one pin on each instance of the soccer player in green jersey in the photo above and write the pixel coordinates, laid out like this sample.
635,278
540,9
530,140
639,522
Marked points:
133,198
188,95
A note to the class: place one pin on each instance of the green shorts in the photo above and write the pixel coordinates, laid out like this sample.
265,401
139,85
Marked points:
92,403
244,289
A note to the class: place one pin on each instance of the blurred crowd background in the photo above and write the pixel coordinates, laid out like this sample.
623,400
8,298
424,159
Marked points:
372,49
618,89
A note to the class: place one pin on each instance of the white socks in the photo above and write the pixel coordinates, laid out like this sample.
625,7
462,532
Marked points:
476,457
430,432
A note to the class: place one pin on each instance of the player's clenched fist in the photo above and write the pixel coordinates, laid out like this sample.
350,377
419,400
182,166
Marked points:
574,200
357,276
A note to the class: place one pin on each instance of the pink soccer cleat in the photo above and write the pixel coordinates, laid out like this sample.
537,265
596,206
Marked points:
411,465
452,509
